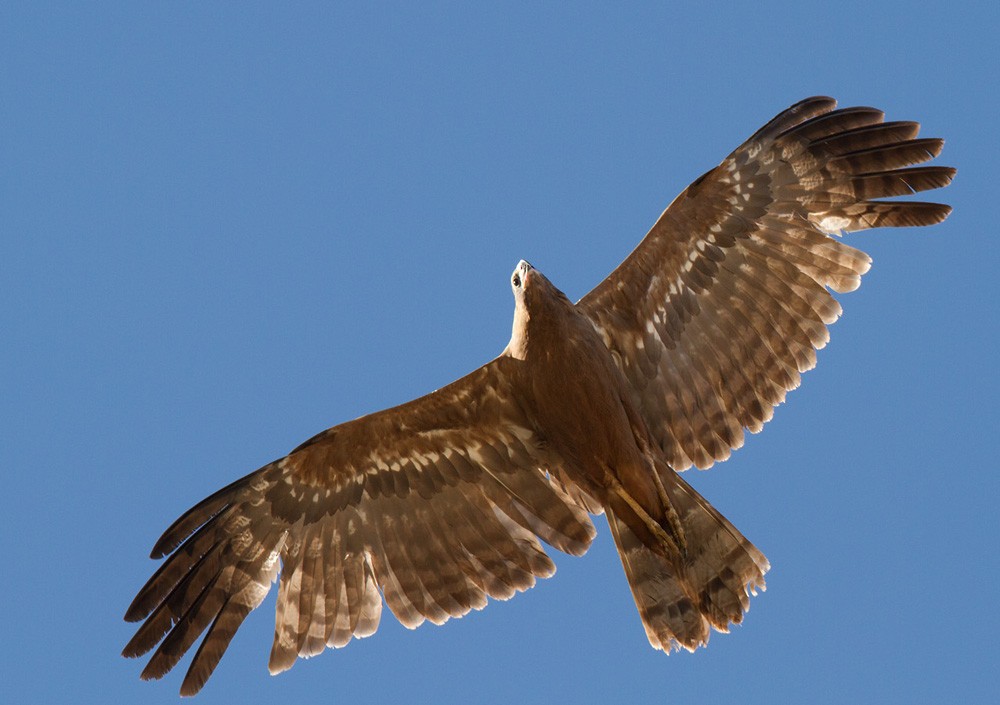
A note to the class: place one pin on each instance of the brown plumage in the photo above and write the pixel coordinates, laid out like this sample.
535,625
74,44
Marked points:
440,503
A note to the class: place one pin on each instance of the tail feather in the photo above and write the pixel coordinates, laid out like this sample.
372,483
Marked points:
670,615
680,601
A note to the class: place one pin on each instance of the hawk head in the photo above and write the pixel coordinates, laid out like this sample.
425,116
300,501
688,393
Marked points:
536,299
522,278
519,278
531,289
534,291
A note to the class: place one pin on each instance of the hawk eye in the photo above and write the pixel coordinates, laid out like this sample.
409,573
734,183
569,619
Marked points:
517,280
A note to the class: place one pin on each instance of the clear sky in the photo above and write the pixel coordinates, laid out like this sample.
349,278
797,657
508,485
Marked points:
227,226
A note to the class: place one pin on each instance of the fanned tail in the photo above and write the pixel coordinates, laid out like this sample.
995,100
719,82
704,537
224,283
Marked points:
679,601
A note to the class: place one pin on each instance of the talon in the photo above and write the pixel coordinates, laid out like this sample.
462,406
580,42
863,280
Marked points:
672,517
671,548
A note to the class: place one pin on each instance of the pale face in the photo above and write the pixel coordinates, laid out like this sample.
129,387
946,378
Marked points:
519,276
517,347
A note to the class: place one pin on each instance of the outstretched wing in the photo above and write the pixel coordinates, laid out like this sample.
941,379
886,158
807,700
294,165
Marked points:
723,304
436,503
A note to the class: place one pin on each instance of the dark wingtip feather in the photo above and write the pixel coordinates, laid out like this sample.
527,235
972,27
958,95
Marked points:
148,635
866,137
892,156
918,213
185,632
134,613
901,182
189,521
835,122
144,602
178,570
186,524
214,646
795,115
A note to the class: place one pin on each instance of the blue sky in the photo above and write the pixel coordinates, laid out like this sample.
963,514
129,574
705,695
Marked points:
225,227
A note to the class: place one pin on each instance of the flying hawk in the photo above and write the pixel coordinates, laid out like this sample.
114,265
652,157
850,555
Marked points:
438,504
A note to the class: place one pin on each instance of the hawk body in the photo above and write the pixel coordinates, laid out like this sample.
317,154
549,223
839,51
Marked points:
436,505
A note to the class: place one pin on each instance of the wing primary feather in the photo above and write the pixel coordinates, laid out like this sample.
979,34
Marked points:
833,123
173,570
214,645
795,115
199,514
185,632
863,138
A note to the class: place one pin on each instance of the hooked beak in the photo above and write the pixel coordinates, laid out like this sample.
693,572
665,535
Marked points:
524,268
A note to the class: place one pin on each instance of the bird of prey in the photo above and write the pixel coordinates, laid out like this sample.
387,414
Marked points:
439,504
